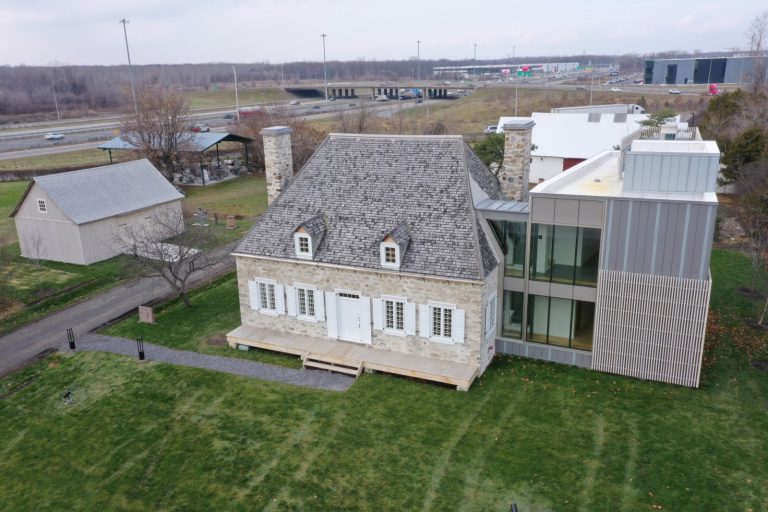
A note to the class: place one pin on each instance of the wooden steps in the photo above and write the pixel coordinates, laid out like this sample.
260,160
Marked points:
332,364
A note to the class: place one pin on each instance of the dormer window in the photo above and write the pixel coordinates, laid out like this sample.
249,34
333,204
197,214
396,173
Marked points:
390,255
303,245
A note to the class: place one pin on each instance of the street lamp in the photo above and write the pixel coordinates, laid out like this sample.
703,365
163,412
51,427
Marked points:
237,100
474,61
325,71
124,22
418,60
55,99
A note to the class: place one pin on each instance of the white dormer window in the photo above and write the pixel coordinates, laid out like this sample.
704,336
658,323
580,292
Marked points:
41,206
303,245
390,255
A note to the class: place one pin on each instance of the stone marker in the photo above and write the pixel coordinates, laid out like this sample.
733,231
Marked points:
146,314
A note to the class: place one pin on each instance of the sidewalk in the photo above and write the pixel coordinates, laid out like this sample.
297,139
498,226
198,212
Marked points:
243,367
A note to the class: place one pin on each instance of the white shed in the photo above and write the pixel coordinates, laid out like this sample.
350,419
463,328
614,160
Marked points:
75,217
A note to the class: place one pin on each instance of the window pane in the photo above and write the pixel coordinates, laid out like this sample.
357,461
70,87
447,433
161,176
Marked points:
447,313
583,324
389,308
302,304
512,317
587,256
271,293
437,322
563,254
514,254
311,302
541,251
399,316
263,296
559,322
538,311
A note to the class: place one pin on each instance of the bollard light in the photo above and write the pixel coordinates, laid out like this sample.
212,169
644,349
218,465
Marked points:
71,338
140,347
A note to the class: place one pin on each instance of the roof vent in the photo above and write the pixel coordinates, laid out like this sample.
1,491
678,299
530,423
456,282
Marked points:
597,180
594,117
619,118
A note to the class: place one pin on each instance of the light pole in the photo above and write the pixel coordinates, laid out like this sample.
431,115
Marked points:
513,60
418,60
237,100
124,22
55,99
325,71
474,61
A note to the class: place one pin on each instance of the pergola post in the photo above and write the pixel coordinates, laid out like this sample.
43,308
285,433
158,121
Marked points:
218,160
202,169
110,155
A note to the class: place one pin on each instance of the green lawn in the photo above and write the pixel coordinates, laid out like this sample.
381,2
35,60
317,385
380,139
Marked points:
226,97
32,291
68,160
148,436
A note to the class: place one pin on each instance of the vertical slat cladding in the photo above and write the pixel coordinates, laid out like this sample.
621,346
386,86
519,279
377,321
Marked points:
683,259
650,326
628,235
708,235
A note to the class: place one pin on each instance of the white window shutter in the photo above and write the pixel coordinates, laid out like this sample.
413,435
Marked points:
280,299
253,293
409,318
290,298
330,311
457,326
319,305
424,327
377,314
365,319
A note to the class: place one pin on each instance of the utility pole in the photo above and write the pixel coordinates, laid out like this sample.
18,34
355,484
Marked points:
513,59
237,100
124,22
418,60
325,71
55,99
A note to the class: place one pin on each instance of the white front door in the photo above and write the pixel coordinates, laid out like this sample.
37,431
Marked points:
348,313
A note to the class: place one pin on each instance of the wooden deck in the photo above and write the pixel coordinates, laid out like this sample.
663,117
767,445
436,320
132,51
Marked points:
356,355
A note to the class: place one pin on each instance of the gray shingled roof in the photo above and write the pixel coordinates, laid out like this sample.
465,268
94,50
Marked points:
367,185
101,192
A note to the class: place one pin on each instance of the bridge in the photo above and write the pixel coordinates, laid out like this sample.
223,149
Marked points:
390,89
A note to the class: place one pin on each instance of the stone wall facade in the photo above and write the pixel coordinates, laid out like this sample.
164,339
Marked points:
516,169
466,295
278,159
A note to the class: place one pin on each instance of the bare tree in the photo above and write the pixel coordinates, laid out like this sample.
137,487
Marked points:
160,128
164,248
354,121
757,33
32,245
752,209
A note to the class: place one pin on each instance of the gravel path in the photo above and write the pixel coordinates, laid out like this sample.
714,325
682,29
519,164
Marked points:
243,367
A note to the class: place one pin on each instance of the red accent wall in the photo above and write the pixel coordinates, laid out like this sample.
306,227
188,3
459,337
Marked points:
570,162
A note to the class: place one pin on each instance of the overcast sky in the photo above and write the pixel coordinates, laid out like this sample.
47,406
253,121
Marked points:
175,31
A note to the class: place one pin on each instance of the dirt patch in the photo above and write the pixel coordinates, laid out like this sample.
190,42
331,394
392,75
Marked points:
760,364
750,293
218,340
730,228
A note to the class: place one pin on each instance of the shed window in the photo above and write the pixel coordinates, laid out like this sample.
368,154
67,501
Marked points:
41,206
441,322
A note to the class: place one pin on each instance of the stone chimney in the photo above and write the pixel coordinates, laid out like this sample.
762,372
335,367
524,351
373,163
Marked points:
278,159
514,172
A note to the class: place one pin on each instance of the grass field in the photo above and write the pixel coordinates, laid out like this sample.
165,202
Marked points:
35,290
155,437
59,161
226,98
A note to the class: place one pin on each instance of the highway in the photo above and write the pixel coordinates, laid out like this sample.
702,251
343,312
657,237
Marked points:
30,140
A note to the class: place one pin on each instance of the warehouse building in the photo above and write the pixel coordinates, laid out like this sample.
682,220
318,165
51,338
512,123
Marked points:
719,70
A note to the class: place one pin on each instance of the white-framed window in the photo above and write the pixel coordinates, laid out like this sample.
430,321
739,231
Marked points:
305,302
441,323
490,316
394,314
303,245
41,206
267,296
442,319
390,255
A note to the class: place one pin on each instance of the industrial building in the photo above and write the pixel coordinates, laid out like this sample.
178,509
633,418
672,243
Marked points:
499,69
719,70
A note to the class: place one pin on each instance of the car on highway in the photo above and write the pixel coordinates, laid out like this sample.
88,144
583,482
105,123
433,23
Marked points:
491,128
293,102
615,89
197,128
382,97
674,91
54,136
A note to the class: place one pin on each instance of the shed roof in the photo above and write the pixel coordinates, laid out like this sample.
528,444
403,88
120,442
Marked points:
367,185
577,135
102,192
193,142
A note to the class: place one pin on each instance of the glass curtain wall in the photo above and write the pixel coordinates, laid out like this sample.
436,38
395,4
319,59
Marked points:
564,254
561,322
512,316
511,237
